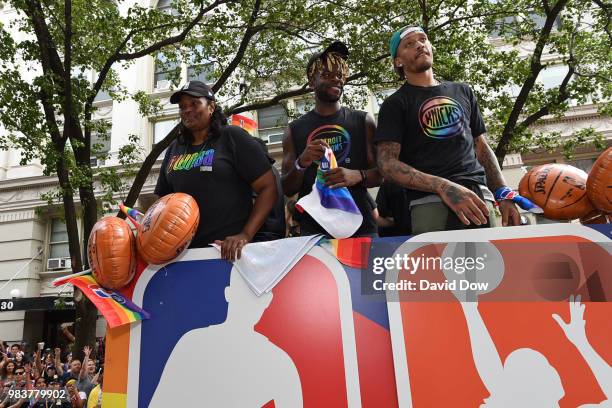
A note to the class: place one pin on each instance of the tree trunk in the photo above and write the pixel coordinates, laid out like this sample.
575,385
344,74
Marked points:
86,313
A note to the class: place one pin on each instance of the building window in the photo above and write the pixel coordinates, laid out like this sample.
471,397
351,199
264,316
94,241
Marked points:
100,147
540,19
102,96
165,6
162,128
501,26
58,241
271,123
551,77
199,67
379,98
303,106
202,72
583,164
165,72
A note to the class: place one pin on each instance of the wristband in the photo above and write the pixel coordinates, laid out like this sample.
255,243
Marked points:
506,193
364,178
297,165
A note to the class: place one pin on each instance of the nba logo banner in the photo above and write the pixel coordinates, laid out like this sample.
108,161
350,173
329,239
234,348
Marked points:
540,336
319,340
212,342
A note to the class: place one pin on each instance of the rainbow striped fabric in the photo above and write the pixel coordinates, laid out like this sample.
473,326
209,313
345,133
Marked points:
244,122
116,309
334,209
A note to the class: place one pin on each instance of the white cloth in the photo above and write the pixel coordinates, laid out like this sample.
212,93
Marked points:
264,264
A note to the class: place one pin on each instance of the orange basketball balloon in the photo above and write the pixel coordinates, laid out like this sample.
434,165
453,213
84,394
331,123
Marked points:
599,183
111,251
167,228
560,190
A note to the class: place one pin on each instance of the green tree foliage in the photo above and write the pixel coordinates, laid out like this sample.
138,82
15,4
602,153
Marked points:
56,56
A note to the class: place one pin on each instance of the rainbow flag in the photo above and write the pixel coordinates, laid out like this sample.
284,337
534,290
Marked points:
247,124
334,209
134,215
116,309
351,252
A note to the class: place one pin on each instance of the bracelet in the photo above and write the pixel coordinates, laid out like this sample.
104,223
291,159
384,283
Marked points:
364,178
297,165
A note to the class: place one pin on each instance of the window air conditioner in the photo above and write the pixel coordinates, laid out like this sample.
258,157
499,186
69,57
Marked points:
58,263
163,84
275,138
96,162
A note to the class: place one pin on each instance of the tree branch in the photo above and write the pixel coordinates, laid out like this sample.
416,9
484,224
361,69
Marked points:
147,164
269,102
48,50
471,17
545,110
535,68
56,136
67,102
119,56
238,108
607,12
246,39
171,40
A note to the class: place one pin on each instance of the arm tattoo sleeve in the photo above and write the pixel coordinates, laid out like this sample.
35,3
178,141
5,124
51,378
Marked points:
486,157
387,157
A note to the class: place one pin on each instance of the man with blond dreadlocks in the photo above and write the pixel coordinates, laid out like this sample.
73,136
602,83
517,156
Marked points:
348,132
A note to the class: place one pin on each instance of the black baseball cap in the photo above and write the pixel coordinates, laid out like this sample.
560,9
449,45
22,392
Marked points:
193,88
337,47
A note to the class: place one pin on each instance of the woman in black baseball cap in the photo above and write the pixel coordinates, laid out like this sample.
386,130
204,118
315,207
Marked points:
220,166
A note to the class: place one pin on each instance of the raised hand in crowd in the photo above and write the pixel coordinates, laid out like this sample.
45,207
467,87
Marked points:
58,363
86,354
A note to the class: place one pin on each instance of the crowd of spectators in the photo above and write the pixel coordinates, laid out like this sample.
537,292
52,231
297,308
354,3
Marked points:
46,378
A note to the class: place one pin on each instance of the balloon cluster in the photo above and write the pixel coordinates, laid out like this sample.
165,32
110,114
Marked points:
565,192
162,233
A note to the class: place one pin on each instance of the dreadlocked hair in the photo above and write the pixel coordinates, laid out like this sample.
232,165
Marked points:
328,61
217,121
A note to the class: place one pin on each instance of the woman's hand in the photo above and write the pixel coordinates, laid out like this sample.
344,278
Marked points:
231,247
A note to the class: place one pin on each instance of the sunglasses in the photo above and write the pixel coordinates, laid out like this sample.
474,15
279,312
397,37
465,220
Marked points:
19,372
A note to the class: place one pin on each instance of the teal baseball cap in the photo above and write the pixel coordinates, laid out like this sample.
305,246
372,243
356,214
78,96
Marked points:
397,36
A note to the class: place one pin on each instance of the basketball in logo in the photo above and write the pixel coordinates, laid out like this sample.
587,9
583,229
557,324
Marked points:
560,190
441,117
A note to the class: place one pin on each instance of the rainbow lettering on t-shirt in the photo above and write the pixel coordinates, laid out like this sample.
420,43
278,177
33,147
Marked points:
188,161
441,117
337,137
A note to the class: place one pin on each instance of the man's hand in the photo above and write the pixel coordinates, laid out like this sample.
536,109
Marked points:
464,202
231,247
509,212
341,177
313,151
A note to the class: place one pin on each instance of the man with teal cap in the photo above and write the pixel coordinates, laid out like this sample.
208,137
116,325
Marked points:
431,141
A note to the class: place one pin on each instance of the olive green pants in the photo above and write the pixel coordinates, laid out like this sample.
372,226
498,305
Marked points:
438,217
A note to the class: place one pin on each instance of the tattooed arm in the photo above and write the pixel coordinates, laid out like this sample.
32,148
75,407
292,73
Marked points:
495,179
464,202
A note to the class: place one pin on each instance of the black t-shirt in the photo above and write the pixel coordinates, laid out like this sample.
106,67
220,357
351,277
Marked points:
345,133
436,127
391,202
217,174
